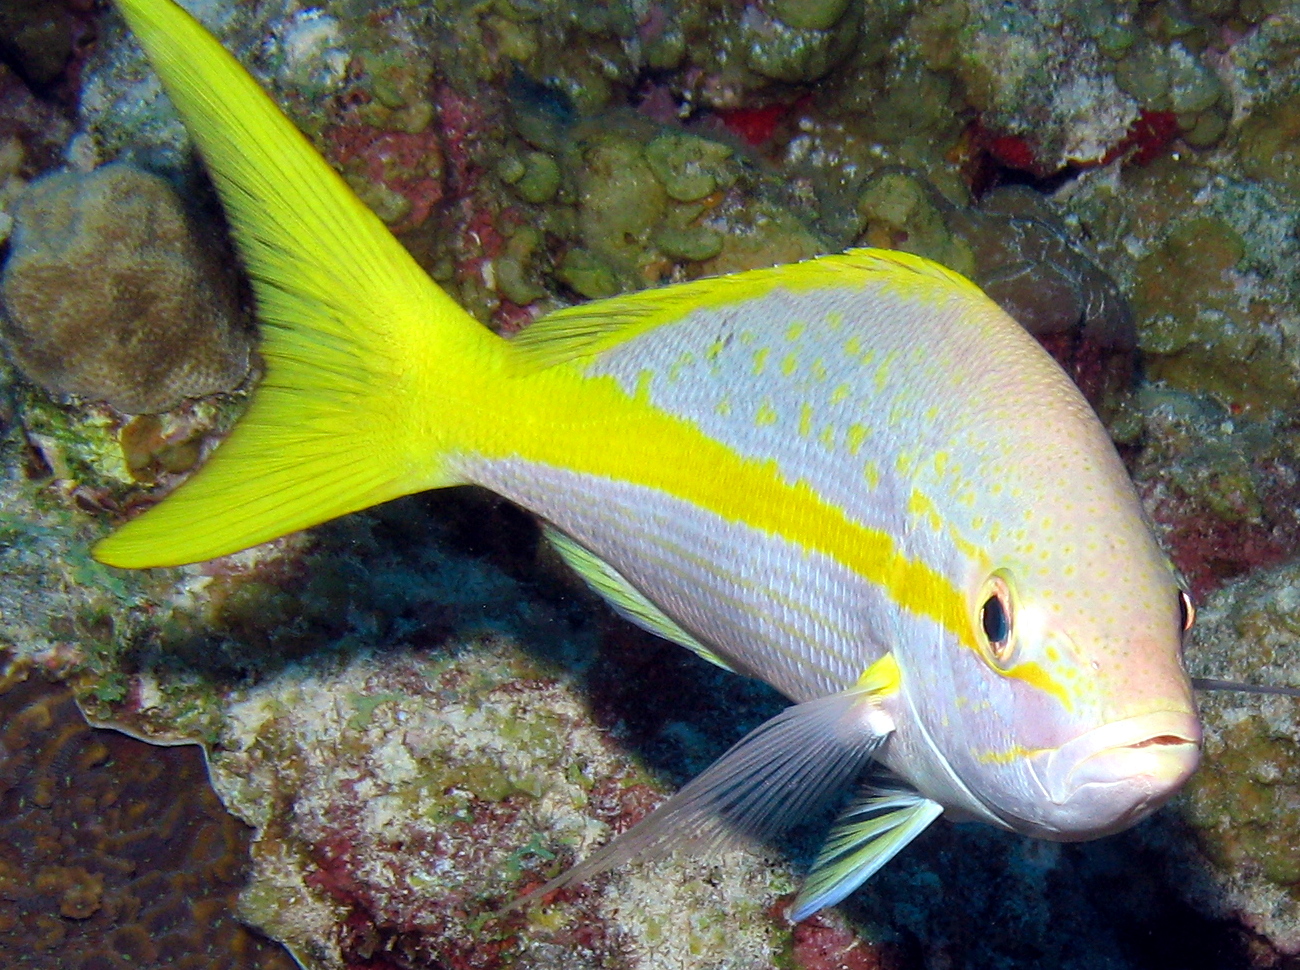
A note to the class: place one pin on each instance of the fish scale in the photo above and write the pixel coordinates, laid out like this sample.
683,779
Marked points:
853,477
726,583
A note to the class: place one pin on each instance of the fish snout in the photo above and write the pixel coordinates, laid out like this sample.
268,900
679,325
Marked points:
1113,776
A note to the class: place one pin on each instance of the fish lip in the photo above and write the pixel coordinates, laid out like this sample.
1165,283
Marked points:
1110,777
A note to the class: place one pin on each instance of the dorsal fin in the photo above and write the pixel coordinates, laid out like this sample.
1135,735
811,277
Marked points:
588,329
626,600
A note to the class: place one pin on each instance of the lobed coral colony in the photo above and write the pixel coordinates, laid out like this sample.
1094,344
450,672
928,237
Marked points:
417,709
110,294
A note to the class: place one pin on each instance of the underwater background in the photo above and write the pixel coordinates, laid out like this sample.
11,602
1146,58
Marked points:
415,714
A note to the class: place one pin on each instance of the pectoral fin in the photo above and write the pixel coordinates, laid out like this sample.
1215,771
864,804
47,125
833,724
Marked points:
771,779
869,832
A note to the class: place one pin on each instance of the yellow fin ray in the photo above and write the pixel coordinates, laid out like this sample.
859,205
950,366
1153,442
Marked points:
588,329
354,334
874,828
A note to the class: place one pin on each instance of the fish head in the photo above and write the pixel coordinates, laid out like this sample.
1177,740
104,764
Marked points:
1054,700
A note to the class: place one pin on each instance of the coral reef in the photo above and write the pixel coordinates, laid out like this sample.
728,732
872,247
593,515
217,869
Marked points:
1223,489
1244,803
109,293
113,853
416,709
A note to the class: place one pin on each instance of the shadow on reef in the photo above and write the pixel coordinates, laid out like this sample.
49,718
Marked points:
427,571
114,853
970,896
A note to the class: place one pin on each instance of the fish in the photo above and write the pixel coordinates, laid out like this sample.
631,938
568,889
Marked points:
854,478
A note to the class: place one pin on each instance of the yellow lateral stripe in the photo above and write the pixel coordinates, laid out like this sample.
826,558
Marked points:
589,425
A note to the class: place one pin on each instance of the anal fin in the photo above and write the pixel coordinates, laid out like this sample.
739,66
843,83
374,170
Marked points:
625,599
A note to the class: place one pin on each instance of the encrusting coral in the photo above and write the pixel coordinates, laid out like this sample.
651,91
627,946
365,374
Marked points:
111,294
113,853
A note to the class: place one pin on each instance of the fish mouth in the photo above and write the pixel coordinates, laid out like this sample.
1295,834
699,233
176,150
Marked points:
1113,776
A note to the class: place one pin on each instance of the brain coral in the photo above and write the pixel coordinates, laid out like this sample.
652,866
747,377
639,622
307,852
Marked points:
114,854
111,294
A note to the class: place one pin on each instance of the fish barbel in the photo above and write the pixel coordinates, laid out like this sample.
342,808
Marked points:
854,477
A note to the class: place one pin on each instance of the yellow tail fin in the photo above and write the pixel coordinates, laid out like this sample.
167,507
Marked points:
359,343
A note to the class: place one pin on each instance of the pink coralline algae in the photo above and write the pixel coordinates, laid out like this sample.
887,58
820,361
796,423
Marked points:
406,164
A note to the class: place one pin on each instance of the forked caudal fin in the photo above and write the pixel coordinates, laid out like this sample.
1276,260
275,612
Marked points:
359,343
773,778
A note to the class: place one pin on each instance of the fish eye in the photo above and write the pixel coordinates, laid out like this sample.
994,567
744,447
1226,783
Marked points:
1186,610
995,618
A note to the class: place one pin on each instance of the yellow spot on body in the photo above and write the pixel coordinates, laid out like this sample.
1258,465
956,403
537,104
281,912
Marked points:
856,436
853,346
760,360
905,461
871,473
766,415
920,507
795,330
788,365
882,372
805,420
642,393
828,437
1013,754
940,461
715,349
834,320
818,369
932,413
840,394
724,407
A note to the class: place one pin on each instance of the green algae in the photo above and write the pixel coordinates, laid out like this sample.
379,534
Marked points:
364,706
588,274
689,167
620,201
1196,327
899,211
517,278
539,178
